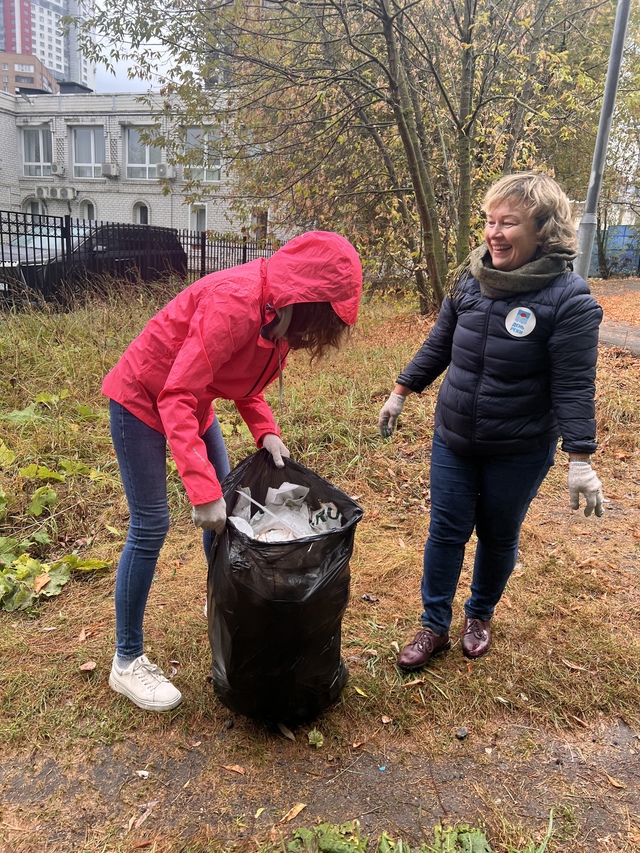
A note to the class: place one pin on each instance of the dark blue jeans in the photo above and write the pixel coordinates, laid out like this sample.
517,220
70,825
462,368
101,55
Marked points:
491,494
142,457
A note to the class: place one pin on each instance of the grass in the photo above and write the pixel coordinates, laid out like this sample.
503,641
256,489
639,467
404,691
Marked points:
563,666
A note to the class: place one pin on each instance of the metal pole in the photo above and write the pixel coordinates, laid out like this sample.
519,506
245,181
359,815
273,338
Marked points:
587,229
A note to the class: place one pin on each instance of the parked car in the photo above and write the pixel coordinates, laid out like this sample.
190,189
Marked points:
55,262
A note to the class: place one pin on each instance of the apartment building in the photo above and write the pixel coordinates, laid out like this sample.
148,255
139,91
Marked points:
84,154
23,72
33,27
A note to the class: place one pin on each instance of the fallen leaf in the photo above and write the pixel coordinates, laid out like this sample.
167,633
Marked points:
414,682
40,582
371,652
286,732
142,819
386,720
358,743
294,812
615,782
579,721
234,768
570,665
361,692
88,666
82,636
258,813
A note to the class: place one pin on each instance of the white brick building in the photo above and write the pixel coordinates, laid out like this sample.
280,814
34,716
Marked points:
82,154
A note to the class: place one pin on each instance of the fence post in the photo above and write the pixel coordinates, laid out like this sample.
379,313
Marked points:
66,235
244,248
203,254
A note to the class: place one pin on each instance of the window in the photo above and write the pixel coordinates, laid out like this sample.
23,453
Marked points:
20,66
37,151
198,218
5,66
141,159
88,152
141,214
200,146
22,78
35,208
87,210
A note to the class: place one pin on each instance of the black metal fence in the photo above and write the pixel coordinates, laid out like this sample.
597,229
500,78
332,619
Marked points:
55,257
208,252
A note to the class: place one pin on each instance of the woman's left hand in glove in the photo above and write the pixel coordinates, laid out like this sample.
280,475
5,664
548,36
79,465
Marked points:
583,480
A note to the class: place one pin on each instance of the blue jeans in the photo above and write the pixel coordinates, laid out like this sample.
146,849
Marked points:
492,494
142,457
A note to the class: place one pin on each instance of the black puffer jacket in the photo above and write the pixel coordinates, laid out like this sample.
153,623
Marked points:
513,391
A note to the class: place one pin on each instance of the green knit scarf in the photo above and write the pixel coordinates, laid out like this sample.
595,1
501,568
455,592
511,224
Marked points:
496,284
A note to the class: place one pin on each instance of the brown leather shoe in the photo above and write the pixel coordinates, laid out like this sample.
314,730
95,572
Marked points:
424,645
476,637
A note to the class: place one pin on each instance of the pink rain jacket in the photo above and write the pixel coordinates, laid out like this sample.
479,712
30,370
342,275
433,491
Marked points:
206,344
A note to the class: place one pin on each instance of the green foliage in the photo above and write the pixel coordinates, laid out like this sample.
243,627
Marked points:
315,738
346,838
43,497
329,838
393,120
25,580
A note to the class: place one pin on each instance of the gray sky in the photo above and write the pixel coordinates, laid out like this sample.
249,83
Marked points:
106,82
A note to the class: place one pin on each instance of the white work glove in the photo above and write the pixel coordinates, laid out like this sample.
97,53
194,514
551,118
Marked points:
390,413
584,481
211,516
276,448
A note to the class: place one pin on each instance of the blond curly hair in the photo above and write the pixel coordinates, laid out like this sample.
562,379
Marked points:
543,199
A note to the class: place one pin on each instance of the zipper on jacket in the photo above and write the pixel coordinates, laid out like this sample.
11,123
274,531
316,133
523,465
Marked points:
481,373
259,384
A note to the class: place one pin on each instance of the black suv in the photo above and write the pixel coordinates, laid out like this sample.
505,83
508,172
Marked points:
56,261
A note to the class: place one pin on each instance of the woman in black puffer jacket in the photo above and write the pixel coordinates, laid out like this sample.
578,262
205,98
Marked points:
518,337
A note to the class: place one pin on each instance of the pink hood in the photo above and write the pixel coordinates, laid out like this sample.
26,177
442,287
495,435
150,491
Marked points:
319,266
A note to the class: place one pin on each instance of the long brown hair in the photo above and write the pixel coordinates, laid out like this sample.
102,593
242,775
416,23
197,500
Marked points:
315,327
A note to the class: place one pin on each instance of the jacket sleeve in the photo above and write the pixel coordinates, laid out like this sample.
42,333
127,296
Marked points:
434,355
257,414
573,352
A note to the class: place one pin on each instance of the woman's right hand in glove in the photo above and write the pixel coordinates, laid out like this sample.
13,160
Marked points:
211,516
390,413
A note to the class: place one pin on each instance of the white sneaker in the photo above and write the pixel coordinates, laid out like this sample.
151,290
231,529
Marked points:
145,684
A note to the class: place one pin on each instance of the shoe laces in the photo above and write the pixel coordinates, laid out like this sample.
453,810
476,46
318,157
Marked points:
475,627
149,673
423,638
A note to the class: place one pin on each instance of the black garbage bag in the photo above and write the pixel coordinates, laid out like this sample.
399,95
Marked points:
275,608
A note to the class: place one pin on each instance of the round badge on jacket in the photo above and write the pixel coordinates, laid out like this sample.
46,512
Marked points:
520,322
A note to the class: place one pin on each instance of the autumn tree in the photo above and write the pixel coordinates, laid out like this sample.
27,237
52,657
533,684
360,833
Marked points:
386,120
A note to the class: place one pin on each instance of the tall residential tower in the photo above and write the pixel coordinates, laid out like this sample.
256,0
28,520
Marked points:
33,27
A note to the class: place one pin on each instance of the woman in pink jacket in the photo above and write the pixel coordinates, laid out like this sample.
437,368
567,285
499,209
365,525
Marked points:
226,336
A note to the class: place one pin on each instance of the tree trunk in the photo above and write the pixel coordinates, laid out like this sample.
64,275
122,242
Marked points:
400,97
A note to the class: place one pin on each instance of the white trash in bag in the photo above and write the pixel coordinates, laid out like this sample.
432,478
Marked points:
285,515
